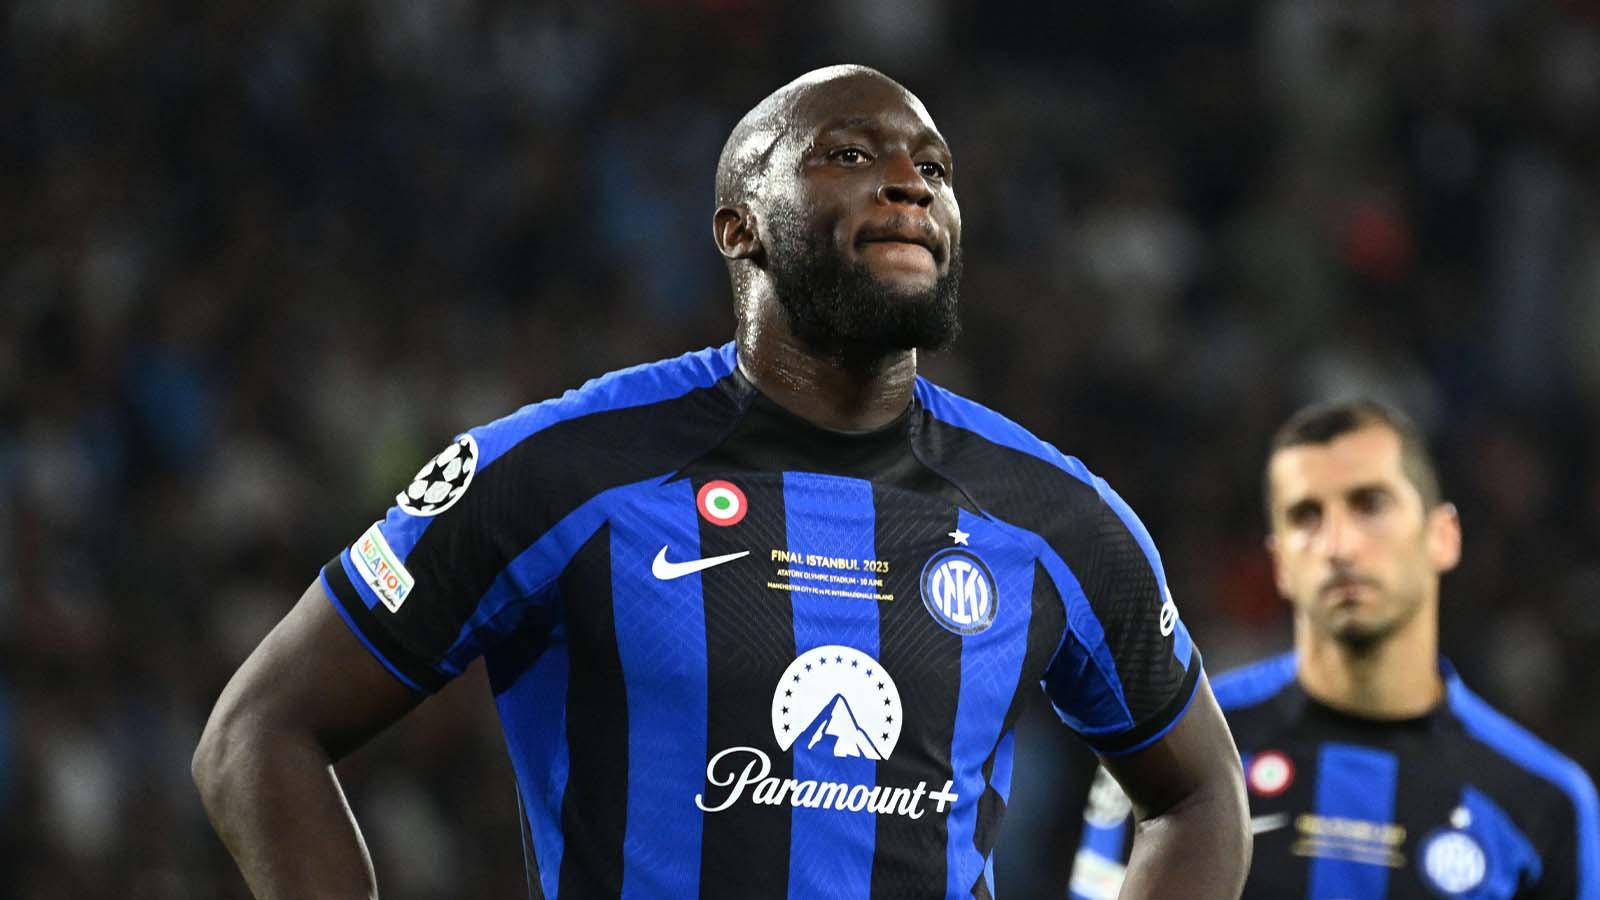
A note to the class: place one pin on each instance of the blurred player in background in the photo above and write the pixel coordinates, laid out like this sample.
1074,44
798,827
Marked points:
1373,772
758,619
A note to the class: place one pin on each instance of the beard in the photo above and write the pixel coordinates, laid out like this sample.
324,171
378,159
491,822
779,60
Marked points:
1364,631
841,309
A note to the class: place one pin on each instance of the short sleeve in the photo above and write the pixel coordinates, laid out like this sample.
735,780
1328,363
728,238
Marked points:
471,552
1126,668
432,584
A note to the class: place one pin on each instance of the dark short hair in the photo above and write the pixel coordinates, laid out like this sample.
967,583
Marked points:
1321,423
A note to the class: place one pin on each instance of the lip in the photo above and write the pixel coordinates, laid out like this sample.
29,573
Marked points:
914,236
1341,591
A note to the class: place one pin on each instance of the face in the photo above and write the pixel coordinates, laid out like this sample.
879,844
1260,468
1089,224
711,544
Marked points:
862,226
1353,549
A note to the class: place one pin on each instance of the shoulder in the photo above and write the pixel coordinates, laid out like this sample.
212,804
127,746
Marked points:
1025,479
638,389
1003,462
1527,752
1255,683
989,430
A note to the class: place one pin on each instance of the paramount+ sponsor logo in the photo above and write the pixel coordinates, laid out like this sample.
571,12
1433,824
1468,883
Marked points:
769,791
832,703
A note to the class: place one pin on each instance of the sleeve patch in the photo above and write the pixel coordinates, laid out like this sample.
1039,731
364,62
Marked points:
381,569
442,480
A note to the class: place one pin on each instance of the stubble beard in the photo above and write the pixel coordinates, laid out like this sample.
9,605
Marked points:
1364,636
841,310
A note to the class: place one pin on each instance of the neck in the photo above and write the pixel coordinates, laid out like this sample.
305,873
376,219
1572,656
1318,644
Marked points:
837,391
1395,677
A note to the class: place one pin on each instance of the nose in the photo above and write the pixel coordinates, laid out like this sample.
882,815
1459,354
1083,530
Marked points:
902,183
1340,537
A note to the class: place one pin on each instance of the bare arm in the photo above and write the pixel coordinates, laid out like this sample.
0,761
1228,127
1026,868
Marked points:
308,695
1193,836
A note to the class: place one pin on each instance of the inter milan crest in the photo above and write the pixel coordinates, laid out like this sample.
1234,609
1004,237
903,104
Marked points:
721,503
1452,862
442,481
958,591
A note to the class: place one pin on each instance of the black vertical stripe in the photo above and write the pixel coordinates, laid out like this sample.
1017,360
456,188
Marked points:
1422,799
1275,870
1047,625
909,858
594,809
749,644
991,808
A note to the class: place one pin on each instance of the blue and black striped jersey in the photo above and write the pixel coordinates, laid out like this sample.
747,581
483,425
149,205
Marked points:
738,655
1459,803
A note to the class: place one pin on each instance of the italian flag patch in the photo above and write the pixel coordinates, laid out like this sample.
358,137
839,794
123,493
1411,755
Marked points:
721,503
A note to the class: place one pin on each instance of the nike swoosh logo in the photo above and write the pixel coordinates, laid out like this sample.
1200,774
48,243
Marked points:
666,570
1264,824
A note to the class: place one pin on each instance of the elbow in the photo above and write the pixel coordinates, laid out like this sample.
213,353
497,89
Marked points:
206,766
209,764
218,757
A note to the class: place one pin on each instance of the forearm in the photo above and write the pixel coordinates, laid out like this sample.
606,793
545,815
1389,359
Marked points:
278,808
1198,849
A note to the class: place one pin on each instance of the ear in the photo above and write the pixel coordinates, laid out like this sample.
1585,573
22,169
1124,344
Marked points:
734,228
1444,537
1279,580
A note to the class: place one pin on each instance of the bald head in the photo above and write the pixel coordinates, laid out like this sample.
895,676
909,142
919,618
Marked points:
835,203
749,150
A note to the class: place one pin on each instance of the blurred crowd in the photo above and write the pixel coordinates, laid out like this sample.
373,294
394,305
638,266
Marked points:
259,261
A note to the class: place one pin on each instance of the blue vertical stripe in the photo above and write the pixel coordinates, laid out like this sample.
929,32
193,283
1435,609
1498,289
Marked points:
1356,783
991,666
661,643
533,715
831,850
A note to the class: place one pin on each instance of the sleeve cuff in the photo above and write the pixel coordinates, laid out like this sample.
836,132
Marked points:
1156,727
352,605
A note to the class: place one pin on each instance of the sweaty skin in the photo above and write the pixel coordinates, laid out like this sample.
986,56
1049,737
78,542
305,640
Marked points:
854,160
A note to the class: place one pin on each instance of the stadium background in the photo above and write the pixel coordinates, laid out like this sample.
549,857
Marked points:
259,261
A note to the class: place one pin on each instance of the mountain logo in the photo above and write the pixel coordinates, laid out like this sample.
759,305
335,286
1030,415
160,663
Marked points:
837,701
